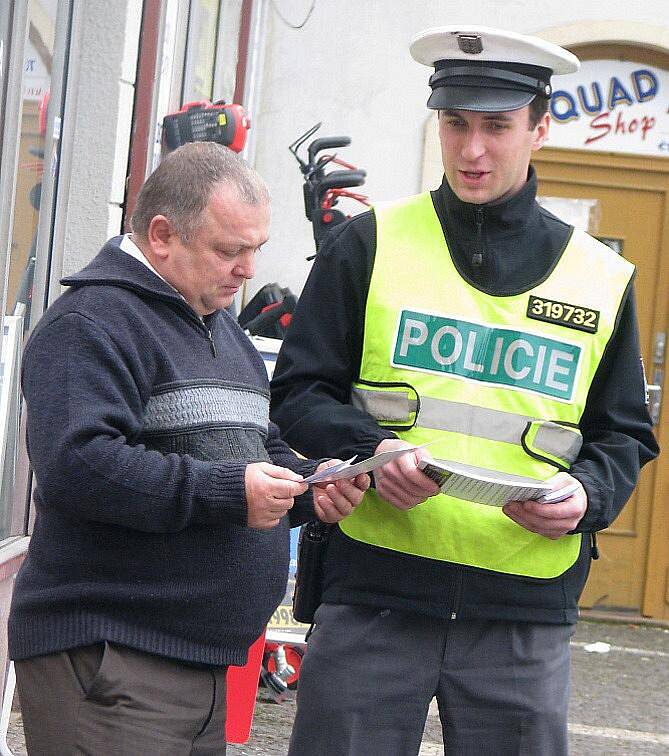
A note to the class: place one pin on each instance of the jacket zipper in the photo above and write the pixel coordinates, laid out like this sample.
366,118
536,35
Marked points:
457,591
477,257
211,340
198,320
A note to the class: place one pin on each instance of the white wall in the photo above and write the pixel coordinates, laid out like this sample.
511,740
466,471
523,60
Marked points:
350,68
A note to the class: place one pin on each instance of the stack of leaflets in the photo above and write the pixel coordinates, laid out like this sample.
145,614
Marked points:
488,486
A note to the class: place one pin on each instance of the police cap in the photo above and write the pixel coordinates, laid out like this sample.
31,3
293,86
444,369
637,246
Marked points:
488,70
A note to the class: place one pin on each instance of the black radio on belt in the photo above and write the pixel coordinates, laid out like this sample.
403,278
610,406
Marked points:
207,122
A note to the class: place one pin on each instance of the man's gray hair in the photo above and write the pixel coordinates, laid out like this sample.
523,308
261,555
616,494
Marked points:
181,186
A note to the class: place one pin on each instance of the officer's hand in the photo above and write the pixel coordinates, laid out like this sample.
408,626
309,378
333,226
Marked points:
334,501
400,482
550,520
269,493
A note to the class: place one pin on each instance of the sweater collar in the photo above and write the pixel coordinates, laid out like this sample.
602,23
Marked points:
114,267
130,248
508,217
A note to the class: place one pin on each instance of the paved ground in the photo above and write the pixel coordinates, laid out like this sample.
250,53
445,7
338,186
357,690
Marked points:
619,700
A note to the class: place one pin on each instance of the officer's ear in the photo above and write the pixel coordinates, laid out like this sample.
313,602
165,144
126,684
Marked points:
541,131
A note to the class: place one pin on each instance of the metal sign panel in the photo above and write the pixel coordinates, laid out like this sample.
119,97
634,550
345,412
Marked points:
612,105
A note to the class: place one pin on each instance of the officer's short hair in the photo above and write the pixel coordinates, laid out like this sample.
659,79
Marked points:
181,186
538,108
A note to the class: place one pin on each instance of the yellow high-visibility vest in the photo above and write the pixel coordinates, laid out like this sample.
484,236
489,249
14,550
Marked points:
498,382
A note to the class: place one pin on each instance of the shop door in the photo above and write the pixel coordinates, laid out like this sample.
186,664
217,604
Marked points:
633,209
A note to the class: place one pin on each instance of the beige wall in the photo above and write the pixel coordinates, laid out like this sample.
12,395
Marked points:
350,68
105,90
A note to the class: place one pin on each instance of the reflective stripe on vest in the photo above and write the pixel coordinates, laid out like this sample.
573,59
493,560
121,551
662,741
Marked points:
497,382
398,410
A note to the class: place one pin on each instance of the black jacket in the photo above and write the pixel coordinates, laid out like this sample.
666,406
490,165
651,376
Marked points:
502,249
142,419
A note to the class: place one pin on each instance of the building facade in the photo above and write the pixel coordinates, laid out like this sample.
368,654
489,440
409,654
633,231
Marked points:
84,87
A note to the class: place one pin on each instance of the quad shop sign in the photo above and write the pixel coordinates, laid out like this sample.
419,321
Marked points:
612,105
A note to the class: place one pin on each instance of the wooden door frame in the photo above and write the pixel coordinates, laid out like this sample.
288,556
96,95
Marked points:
655,601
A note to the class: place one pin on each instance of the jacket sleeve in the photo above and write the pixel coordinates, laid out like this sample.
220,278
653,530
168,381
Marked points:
320,356
85,406
617,432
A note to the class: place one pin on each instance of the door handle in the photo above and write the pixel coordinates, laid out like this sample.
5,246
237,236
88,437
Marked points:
654,402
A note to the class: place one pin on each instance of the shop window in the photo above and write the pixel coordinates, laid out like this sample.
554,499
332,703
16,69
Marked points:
201,50
24,250
38,62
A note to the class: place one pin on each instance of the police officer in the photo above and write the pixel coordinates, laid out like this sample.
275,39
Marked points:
470,317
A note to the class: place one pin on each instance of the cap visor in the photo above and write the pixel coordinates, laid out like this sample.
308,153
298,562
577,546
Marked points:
485,100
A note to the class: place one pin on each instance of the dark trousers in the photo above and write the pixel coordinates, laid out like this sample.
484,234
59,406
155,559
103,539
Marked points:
369,675
110,700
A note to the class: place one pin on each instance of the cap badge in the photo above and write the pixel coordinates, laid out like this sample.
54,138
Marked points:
470,44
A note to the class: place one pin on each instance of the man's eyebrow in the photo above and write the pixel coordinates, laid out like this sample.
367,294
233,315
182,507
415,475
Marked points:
486,116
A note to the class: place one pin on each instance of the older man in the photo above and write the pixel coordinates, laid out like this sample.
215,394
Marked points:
163,494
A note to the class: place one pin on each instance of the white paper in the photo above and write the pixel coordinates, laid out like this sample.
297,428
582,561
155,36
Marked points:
598,647
348,470
323,474
553,497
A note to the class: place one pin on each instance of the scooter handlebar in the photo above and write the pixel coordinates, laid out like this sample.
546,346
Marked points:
326,143
341,180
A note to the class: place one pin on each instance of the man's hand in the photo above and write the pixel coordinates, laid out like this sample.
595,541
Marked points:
270,491
334,501
400,482
550,520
